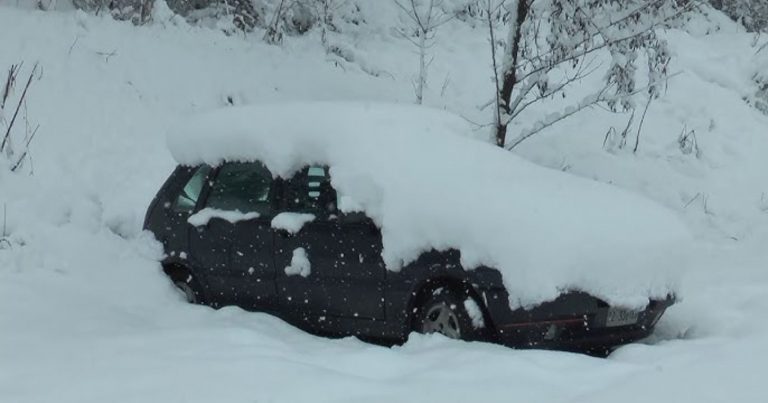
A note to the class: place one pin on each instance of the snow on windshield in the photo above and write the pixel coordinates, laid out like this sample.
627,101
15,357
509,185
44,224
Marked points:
428,185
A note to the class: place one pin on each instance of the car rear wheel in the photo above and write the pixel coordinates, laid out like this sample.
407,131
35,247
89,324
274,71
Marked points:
444,312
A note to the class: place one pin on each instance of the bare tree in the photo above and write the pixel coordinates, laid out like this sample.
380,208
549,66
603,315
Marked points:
552,45
424,17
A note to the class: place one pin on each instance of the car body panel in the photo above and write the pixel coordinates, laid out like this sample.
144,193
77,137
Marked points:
252,268
347,274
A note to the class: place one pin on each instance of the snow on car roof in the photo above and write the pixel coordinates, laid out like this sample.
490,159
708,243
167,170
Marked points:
427,184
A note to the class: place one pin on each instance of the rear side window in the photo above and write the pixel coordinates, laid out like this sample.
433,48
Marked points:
187,199
311,192
244,187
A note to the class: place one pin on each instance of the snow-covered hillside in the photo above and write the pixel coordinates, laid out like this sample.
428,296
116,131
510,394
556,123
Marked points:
87,315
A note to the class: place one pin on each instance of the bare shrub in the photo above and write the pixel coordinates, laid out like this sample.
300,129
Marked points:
16,134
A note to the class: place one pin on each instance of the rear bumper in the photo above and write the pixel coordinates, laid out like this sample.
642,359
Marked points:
573,322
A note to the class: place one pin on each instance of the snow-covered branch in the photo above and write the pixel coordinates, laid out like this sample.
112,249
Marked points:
585,103
552,38
556,117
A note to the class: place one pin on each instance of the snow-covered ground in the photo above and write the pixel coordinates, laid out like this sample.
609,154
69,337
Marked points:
87,316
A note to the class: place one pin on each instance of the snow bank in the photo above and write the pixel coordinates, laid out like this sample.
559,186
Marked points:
427,185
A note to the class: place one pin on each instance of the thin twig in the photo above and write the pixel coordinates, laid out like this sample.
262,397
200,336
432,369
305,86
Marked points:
9,83
71,47
640,126
18,107
5,219
692,200
107,55
24,154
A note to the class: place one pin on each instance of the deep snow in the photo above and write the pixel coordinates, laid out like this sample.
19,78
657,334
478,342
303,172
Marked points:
87,316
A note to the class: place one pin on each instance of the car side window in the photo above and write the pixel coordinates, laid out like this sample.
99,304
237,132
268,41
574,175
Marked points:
310,191
241,186
187,199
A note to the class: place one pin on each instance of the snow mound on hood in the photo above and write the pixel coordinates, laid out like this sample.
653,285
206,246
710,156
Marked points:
428,185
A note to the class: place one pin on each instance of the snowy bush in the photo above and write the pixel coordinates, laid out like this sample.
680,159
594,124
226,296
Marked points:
228,15
136,11
277,17
185,7
760,98
752,14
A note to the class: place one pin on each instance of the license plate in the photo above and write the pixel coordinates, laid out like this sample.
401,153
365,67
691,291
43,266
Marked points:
621,317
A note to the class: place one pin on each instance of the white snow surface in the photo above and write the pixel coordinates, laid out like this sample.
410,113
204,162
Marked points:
300,264
205,215
427,184
86,314
291,222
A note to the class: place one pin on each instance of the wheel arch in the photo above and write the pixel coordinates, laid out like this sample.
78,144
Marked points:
174,268
180,270
457,280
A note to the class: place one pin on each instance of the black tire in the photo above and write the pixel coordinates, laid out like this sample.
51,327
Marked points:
443,311
188,286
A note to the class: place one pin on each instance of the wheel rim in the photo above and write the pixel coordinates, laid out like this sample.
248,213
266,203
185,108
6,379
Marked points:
441,319
187,291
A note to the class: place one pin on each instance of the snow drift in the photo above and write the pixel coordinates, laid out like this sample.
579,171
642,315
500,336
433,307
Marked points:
428,185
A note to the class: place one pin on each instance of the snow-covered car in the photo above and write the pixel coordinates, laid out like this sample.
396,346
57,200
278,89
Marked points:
379,220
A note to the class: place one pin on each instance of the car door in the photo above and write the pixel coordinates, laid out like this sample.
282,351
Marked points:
232,238
356,284
346,274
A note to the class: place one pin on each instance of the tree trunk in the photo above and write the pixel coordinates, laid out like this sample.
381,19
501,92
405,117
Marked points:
509,69
422,80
